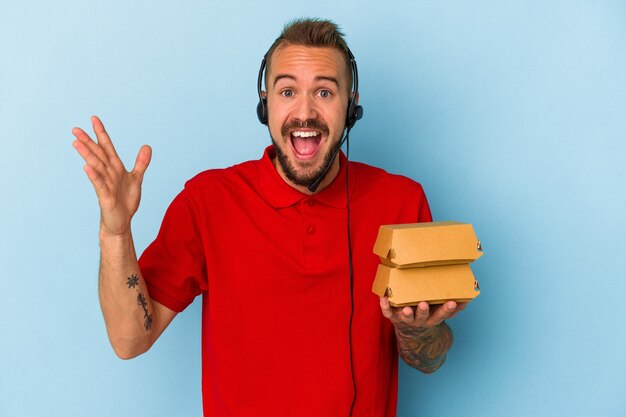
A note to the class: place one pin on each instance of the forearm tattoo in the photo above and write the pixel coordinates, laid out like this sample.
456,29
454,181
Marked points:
423,349
132,282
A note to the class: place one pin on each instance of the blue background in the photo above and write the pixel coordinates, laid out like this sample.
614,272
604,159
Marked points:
511,115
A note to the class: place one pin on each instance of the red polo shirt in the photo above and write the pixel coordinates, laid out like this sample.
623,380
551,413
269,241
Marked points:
271,265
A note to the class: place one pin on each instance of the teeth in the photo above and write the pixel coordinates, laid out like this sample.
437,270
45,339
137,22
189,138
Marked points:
306,134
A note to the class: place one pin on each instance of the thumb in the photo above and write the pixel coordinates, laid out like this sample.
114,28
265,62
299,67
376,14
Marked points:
142,161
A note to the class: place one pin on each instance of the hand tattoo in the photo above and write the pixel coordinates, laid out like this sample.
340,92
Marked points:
423,348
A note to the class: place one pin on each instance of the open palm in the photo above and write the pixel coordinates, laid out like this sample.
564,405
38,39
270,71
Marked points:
118,190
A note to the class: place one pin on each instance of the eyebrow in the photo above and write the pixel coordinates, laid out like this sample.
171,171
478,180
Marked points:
319,78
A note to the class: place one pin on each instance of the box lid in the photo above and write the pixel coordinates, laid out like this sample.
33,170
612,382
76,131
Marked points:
427,244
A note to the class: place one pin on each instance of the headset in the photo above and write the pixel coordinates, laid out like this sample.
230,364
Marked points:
354,113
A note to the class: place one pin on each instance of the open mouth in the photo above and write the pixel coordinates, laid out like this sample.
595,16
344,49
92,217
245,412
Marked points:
305,143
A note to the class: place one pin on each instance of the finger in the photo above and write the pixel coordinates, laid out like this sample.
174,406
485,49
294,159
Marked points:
460,307
385,307
442,313
422,311
90,157
80,134
103,137
97,181
84,138
406,315
143,160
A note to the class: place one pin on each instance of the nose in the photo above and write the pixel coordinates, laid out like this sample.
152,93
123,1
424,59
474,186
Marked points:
304,109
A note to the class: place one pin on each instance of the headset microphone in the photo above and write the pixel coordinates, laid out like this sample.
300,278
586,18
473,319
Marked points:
316,183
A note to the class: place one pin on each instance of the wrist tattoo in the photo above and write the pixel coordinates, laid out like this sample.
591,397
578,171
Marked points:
423,348
132,282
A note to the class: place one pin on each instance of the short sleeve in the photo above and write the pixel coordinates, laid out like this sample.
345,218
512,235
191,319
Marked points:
174,265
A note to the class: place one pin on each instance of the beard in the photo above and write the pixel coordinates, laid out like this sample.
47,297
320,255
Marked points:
309,172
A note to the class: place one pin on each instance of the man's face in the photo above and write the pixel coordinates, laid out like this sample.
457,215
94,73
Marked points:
307,99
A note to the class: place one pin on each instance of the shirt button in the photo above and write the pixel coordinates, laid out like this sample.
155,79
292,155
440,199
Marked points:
311,229
310,202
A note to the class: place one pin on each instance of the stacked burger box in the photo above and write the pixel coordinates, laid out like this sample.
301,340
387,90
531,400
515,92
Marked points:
426,262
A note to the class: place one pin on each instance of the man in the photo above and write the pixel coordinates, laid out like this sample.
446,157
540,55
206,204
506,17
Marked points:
290,325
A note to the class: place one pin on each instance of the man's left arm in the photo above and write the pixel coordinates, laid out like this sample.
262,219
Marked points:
422,336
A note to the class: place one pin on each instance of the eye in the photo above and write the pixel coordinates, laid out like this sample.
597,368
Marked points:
287,93
325,93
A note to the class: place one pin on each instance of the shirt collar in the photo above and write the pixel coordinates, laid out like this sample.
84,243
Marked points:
280,194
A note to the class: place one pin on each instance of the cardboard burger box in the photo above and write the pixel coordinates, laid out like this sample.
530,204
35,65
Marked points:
426,262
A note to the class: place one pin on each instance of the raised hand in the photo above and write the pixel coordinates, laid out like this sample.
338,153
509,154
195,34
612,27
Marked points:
118,190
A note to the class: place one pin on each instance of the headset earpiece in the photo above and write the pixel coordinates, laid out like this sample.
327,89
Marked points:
261,110
261,107
355,112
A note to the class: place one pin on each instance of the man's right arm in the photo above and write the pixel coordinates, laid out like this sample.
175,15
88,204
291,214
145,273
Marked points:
133,320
